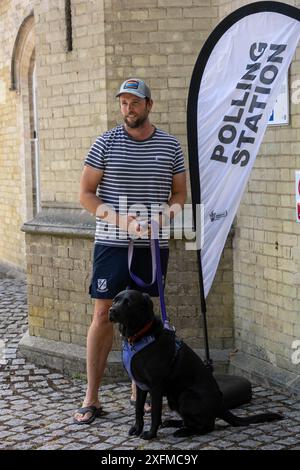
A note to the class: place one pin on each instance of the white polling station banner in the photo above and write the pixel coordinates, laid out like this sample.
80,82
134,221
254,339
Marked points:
234,86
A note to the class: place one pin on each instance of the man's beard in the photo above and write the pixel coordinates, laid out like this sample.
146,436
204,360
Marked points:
137,122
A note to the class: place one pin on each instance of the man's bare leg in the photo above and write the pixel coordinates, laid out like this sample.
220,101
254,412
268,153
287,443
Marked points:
99,343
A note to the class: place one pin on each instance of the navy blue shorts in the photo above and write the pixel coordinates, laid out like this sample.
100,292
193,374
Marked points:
111,275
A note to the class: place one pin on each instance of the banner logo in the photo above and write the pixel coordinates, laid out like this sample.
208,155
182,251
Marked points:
214,216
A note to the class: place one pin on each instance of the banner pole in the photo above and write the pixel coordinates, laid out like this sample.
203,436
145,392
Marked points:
208,361
196,199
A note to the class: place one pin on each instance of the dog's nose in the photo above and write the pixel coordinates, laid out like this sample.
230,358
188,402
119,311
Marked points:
111,314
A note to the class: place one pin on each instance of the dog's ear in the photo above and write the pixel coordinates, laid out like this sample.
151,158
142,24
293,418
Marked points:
148,302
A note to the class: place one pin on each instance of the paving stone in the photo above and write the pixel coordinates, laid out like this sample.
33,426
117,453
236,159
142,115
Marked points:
222,444
63,440
17,379
55,376
21,385
38,432
115,440
4,434
59,433
294,429
22,437
74,446
15,422
209,448
90,439
124,448
280,433
43,439
288,441
263,438
50,447
101,446
238,438
19,361
41,371
272,447
55,426
32,417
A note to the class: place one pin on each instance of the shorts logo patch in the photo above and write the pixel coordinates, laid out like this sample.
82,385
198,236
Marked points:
102,285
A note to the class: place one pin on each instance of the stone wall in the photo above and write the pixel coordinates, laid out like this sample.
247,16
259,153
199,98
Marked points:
71,94
58,276
13,210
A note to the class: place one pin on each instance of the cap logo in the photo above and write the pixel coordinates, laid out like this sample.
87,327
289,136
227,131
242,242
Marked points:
131,84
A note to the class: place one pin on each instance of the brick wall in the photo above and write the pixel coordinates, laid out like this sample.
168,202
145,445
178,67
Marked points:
71,94
13,211
60,309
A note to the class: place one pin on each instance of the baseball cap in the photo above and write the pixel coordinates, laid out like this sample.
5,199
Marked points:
136,87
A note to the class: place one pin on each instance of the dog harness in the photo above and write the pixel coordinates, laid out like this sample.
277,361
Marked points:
129,350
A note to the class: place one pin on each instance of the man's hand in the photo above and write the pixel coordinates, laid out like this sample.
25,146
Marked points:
127,223
137,228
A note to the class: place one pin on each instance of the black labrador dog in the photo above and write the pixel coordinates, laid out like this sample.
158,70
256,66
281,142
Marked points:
165,366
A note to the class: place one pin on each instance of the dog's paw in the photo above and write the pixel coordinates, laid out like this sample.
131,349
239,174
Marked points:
147,435
135,430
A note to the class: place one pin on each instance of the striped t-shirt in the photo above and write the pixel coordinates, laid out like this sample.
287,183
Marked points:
137,176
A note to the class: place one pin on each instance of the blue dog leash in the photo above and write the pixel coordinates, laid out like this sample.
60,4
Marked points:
156,271
129,350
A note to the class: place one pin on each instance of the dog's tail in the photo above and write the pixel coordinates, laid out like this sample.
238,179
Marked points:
234,420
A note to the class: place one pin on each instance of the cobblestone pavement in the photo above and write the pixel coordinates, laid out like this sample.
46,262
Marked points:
37,404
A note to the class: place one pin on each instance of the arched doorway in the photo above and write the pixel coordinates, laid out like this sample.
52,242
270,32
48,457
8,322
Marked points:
23,82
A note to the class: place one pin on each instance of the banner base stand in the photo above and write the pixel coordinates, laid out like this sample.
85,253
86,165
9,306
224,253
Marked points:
237,390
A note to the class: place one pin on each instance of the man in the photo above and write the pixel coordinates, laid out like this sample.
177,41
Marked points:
133,165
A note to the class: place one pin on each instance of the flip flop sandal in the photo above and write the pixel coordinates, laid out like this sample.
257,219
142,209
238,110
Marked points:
96,412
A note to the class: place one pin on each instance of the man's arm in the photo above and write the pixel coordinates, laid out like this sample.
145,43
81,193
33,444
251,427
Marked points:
178,192
176,201
90,179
